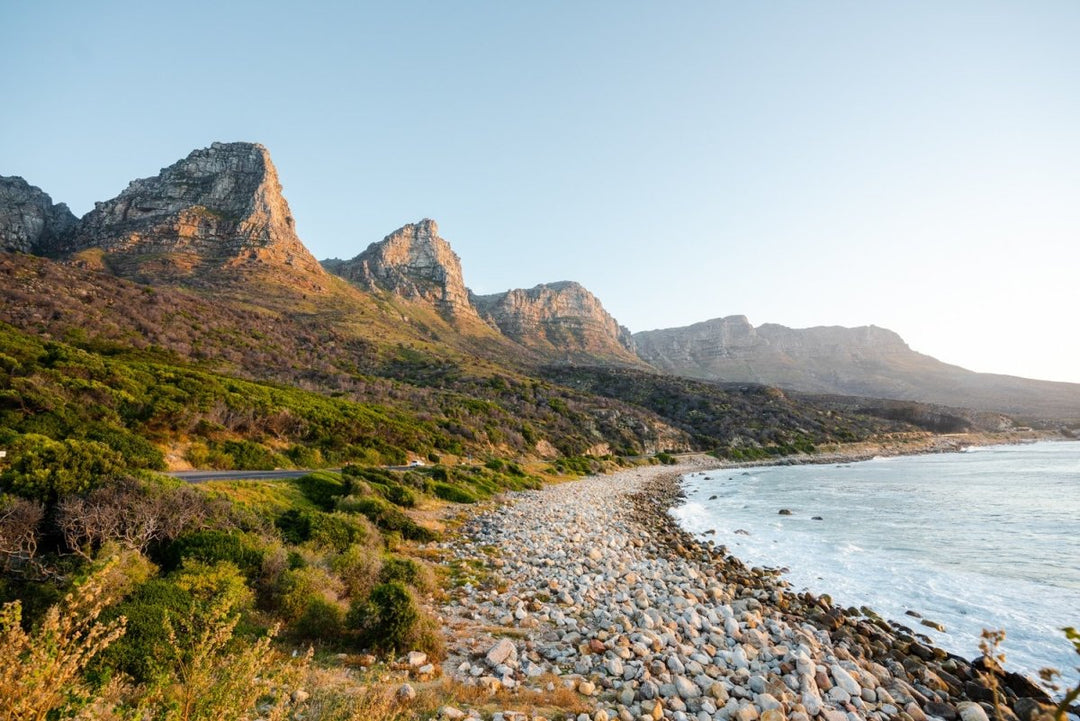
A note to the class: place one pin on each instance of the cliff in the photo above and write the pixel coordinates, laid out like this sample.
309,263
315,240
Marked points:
560,319
415,263
866,361
219,208
29,221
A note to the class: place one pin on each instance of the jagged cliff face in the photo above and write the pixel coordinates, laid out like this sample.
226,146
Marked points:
220,207
415,263
29,220
563,318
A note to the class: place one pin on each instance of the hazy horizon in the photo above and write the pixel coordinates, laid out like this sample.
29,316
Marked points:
912,167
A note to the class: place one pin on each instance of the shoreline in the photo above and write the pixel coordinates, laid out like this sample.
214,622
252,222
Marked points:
593,586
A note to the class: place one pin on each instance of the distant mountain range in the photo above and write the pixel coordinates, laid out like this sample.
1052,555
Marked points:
216,227
864,361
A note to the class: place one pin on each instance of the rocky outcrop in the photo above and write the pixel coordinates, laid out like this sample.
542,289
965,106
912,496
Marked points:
563,317
220,207
415,263
29,220
866,361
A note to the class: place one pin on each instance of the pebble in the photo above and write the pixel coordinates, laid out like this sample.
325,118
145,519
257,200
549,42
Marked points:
602,590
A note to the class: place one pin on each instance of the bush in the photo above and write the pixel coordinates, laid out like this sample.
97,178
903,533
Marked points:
298,587
40,673
321,620
251,456
246,552
386,517
398,495
295,526
452,493
336,530
409,572
137,653
43,469
389,620
136,451
359,569
322,489
405,570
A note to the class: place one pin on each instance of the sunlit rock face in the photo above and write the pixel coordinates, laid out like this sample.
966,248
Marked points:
220,207
29,221
415,263
560,316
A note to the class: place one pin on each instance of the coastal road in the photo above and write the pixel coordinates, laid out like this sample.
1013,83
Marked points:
203,476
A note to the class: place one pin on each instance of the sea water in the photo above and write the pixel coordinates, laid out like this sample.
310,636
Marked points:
984,539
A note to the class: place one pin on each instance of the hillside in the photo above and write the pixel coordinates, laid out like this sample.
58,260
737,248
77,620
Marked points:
196,278
866,361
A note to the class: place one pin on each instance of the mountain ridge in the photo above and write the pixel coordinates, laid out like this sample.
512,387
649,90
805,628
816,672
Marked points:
217,222
866,361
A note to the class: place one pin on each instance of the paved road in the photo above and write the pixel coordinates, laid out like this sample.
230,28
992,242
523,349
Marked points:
203,476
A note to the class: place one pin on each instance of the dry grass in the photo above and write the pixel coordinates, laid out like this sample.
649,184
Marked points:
41,671
338,696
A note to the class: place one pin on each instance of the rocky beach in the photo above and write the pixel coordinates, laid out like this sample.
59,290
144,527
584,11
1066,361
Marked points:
591,587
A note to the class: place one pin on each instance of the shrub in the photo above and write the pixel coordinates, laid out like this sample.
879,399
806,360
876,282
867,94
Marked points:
243,550
299,586
44,469
388,620
251,456
407,571
139,651
455,494
386,517
321,620
359,569
136,451
336,530
322,489
398,495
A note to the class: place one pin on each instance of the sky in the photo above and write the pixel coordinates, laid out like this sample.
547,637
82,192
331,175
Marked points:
911,165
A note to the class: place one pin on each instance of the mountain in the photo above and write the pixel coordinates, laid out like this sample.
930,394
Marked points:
864,361
29,220
556,321
219,209
187,313
415,263
562,320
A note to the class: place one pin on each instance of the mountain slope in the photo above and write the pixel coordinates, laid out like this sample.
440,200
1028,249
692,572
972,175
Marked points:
866,361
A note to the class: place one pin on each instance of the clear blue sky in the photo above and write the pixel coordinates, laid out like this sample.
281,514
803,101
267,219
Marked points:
915,165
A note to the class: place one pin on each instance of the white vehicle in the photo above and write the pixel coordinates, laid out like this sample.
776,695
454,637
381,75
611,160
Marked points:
417,463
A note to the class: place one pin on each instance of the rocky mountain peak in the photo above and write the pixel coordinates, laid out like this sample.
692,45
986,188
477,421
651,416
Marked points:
29,220
415,263
563,317
220,206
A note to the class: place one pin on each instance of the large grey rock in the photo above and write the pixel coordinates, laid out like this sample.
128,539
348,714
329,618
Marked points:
29,221
413,262
220,207
501,653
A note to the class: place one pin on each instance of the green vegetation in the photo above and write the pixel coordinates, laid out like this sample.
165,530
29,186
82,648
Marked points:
190,605
738,422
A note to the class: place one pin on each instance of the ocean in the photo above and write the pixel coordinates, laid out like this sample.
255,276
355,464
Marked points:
988,538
